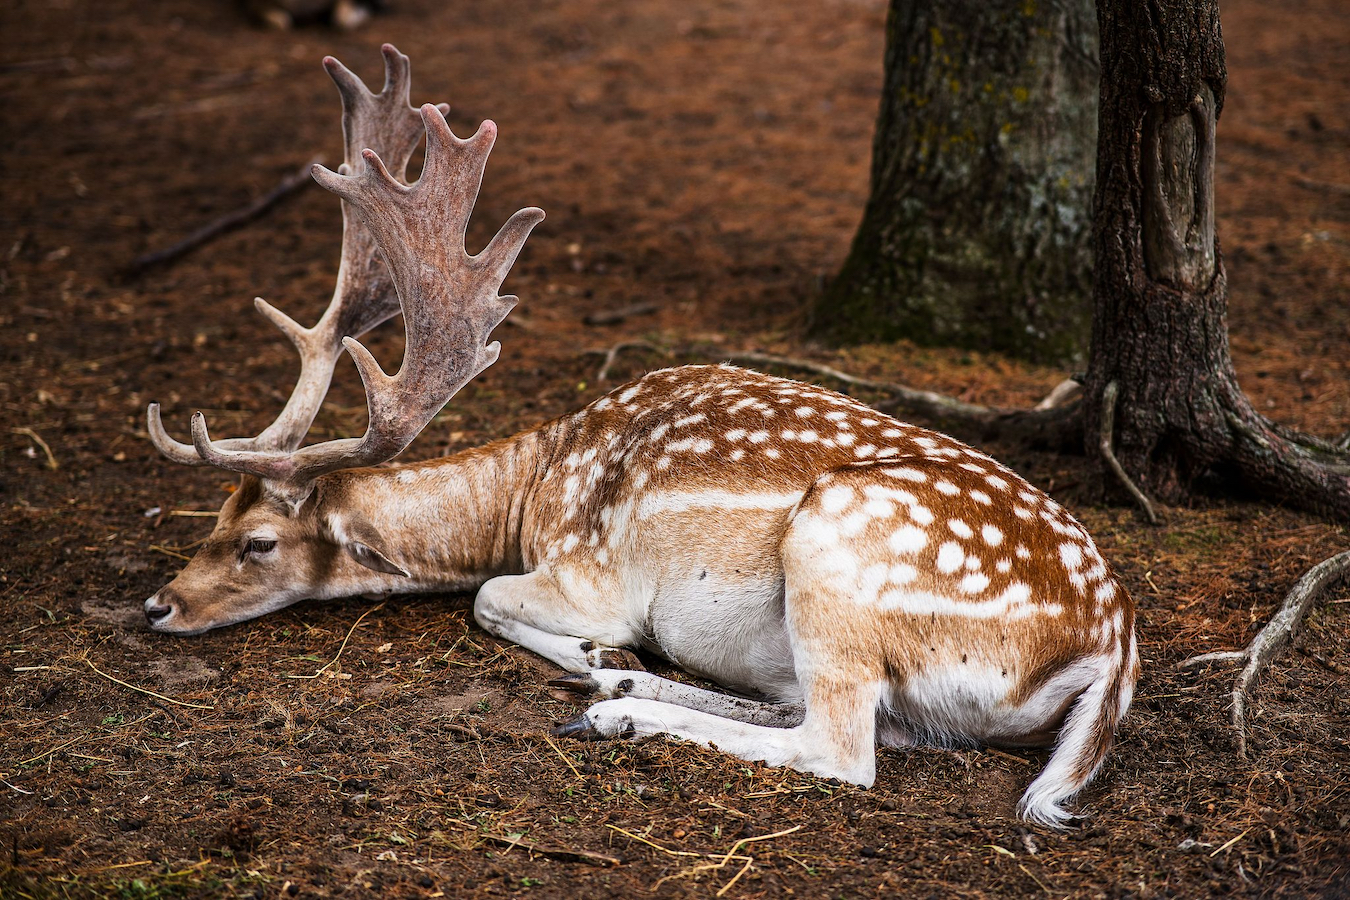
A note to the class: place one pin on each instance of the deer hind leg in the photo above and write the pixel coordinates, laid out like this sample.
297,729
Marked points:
836,738
533,611
610,684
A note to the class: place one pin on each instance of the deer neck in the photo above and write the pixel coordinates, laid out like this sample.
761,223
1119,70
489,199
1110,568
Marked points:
451,523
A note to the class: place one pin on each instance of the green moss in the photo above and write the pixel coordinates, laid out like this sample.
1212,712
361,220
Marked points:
978,232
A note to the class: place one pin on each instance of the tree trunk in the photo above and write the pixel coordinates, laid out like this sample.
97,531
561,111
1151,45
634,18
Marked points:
1160,330
977,229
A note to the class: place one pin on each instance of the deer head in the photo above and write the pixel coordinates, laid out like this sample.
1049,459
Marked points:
281,537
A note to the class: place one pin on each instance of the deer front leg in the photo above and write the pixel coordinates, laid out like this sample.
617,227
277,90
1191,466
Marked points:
610,684
532,611
836,739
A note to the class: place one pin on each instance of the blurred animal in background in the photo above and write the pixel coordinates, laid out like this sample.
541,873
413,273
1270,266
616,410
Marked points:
283,15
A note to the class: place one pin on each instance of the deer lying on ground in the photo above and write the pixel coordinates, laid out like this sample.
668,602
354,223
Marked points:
866,579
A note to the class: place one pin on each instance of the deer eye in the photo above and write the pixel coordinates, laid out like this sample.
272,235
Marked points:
259,546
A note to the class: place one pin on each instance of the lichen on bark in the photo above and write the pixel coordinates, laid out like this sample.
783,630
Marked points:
977,231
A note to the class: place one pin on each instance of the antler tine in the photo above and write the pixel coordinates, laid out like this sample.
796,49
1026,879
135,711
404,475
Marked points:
364,296
450,303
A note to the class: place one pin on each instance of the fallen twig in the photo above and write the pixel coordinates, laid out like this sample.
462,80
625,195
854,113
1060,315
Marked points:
1108,436
562,755
614,316
613,353
141,690
227,222
1278,633
1321,186
37,439
586,856
332,662
718,861
57,749
1066,391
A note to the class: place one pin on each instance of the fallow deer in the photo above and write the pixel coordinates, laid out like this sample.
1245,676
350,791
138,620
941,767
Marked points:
866,580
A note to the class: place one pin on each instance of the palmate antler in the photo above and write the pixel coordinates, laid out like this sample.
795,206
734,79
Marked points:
450,305
364,295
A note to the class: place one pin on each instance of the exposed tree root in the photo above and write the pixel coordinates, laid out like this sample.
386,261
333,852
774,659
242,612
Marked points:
613,352
231,220
1275,637
1307,471
1107,438
1056,426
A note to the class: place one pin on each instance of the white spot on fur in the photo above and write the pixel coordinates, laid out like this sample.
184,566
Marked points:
950,557
908,539
1071,555
974,582
879,509
992,536
853,523
836,498
902,573
960,528
980,497
946,487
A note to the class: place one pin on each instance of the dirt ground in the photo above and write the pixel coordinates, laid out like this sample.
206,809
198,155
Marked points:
709,158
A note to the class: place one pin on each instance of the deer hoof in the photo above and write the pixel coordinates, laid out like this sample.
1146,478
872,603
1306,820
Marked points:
573,687
601,684
580,728
614,658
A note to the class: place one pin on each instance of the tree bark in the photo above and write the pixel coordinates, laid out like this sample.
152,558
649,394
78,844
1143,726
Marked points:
977,231
1160,331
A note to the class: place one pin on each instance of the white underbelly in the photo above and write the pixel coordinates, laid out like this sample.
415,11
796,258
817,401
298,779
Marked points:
728,629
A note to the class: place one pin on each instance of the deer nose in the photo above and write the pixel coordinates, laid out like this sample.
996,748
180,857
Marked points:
154,611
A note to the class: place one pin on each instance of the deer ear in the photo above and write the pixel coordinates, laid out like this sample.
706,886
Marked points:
363,543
